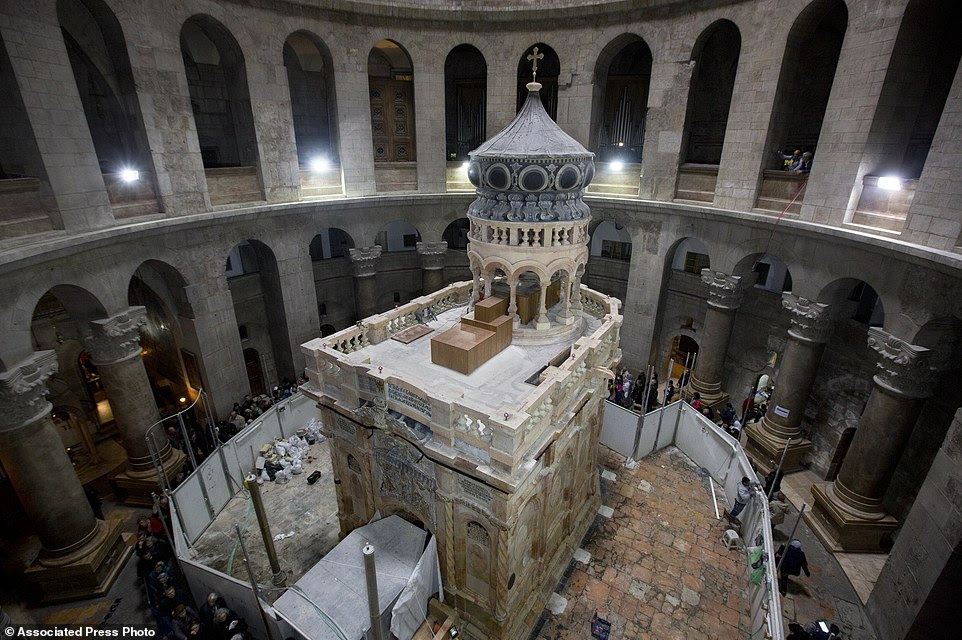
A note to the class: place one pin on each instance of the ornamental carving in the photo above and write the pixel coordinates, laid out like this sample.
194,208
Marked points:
432,254
902,367
724,291
117,337
364,260
376,414
23,390
811,321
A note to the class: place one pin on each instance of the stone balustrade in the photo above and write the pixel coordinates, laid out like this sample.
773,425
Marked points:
527,234
466,426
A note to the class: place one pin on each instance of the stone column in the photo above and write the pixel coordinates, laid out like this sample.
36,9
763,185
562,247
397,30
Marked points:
76,548
576,306
564,316
364,267
114,345
513,301
847,514
811,328
432,265
725,293
541,322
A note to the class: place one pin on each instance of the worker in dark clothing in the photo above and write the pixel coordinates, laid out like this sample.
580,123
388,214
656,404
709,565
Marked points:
793,564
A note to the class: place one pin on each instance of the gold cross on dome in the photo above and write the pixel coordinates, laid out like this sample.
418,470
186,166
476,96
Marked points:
534,56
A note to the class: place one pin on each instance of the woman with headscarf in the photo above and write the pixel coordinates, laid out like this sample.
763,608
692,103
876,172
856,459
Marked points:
793,564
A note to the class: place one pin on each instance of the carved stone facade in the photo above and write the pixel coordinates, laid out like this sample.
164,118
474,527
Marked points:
903,368
811,321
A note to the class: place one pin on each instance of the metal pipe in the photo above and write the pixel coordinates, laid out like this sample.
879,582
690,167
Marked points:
714,500
640,424
694,359
661,414
790,538
779,468
278,578
253,580
373,608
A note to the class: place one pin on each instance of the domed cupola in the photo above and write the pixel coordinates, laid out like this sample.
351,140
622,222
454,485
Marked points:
528,241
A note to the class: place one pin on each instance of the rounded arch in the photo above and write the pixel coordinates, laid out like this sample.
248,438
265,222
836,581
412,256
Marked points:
465,100
715,56
78,302
390,72
549,68
398,235
331,242
768,270
214,63
456,234
167,280
622,76
689,254
610,240
852,298
310,79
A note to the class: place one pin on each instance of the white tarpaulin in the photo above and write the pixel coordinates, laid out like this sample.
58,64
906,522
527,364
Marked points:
411,608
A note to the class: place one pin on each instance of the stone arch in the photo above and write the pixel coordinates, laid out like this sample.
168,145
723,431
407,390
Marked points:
214,64
622,76
252,273
853,298
549,68
398,235
676,255
715,55
456,234
618,239
390,72
98,56
310,79
465,101
768,270
819,30
331,243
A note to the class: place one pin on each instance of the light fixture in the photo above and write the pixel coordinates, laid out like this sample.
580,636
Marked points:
616,165
182,399
319,164
890,183
621,144
465,165
129,175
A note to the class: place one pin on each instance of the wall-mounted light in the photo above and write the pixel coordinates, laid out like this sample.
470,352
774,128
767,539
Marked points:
616,165
890,183
129,175
319,164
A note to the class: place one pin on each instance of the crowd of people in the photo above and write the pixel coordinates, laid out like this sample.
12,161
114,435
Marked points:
202,438
168,597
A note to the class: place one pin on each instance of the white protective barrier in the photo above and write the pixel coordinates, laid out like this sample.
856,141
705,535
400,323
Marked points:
206,492
721,455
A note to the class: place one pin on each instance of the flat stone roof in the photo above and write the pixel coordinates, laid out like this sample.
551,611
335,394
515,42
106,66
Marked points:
499,382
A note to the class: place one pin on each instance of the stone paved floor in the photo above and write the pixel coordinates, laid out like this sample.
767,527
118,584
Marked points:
658,569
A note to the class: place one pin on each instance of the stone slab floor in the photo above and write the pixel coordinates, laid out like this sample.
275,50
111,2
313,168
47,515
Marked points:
307,511
657,569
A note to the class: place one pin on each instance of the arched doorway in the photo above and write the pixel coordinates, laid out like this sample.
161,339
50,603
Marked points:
682,349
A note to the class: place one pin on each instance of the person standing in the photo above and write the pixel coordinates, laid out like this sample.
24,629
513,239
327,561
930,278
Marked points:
744,493
793,564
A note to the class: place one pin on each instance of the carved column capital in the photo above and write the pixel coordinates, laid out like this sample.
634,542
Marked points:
432,254
724,291
23,392
364,260
811,321
903,368
116,338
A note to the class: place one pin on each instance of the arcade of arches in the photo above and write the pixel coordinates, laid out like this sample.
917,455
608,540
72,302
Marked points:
189,193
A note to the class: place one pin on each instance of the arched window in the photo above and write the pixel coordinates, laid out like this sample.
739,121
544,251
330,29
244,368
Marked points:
391,78
465,90
310,77
716,61
623,92
549,68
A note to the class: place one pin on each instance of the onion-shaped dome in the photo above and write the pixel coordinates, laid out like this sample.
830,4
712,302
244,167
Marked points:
532,171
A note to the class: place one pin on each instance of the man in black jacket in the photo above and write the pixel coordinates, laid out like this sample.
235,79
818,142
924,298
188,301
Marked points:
792,564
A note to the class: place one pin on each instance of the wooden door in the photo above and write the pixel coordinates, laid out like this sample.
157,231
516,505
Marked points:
392,120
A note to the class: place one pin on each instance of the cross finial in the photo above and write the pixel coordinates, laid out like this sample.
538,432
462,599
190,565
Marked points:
534,56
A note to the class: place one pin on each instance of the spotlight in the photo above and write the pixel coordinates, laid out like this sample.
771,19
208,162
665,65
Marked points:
183,400
465,165
616,165
890,183
319,164
129,175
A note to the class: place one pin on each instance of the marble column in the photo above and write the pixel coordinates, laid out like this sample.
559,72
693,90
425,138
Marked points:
432,256
564,315
513,301
848,515
541,322
811,328
364,267
80,556
576,306
114,345
725,293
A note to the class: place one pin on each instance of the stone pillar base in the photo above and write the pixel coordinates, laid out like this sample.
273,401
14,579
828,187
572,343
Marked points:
762,447
843,529
90,573
133,488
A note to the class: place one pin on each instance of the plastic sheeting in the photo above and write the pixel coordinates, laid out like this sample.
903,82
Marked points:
411,608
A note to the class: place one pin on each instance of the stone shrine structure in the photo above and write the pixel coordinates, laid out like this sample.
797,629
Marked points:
499,462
